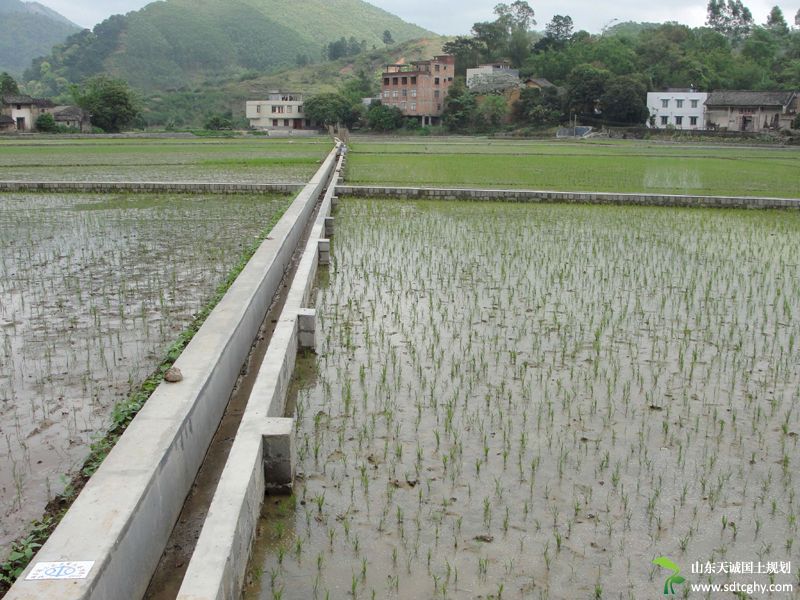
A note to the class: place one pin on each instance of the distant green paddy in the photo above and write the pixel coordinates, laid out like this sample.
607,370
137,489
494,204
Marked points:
238,160
584,166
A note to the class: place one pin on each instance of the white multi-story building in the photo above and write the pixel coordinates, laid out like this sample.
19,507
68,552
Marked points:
280,111
681,108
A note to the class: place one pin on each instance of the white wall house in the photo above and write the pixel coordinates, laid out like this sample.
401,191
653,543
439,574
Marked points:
681,108
24,110
280,111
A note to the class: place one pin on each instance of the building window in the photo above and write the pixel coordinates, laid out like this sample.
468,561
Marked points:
385,81
678,120
664,120
414,93
679,103
258,108
694,103
288,109
435,81
405,92
436,67
299,109
394,80
385,93
277,109
394,93
435,93
665,104
403,105
274,122
692,120
286,122
413,106
404,80
413,81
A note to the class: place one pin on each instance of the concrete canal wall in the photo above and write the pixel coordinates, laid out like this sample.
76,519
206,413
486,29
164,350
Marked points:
116,530
263,451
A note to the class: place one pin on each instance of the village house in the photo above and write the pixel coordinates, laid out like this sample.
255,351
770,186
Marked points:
24,110
72,117
19,114
536,83
540,83
281,111
679,108
751,111
419,89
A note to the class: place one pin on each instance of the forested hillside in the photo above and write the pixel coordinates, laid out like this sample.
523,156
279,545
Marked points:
191,106
28,30
177,43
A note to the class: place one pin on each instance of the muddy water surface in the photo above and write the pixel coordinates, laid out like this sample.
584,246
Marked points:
93,289
537,401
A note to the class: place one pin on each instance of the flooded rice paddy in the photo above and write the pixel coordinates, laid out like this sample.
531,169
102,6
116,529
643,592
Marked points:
93,289
166,160
591,166
519,401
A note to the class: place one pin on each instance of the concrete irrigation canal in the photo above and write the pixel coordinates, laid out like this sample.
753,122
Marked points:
225,426
110,541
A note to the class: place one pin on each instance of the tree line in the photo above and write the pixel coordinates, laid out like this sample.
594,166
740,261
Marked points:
605,77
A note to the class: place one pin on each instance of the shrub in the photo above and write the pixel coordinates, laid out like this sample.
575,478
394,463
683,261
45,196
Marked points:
46,123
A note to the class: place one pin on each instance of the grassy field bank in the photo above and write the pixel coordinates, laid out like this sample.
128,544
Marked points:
607,166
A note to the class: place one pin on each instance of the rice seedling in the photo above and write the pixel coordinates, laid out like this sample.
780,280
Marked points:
544,387
94,291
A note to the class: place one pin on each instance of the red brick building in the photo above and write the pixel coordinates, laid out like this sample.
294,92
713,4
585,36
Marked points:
418,89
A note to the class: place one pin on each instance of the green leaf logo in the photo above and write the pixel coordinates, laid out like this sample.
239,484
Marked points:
672,580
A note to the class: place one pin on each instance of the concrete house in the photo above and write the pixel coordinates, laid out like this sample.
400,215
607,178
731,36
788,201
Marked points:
281,111
419,89
751,111
24,110
681,108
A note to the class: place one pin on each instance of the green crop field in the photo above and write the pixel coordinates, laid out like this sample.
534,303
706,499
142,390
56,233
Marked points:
240,160
537,401
607,166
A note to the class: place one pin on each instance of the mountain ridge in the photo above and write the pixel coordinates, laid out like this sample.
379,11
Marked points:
171,44
28,30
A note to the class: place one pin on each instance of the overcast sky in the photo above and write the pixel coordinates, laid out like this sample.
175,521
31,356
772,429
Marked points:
452,17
